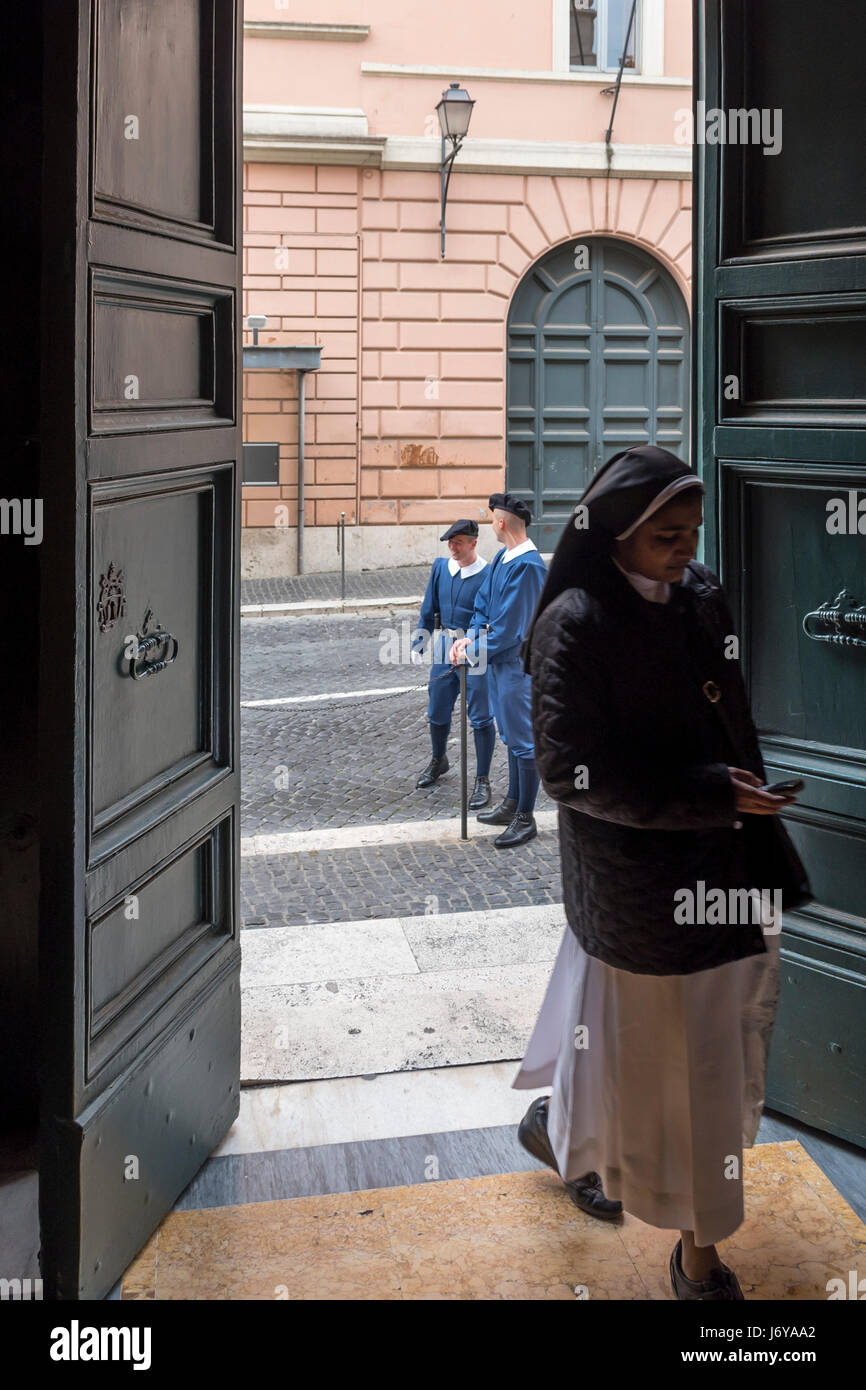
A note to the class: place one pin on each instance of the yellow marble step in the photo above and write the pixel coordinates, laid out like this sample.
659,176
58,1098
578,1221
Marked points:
513,1236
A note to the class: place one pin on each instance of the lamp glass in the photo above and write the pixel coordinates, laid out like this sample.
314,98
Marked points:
455,111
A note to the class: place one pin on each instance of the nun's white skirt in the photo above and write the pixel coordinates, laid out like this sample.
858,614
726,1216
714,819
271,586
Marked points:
669,1087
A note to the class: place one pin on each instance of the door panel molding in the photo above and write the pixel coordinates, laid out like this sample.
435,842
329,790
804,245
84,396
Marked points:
182,329
763,71
200,116
821,758
202,659
823,448
131,1004
755,338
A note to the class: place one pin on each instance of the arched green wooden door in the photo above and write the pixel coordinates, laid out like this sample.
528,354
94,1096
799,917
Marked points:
598,360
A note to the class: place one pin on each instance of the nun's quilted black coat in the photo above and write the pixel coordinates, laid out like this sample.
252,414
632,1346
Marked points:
617,690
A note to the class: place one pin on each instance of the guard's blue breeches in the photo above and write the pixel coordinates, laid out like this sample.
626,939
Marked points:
510,699
443,694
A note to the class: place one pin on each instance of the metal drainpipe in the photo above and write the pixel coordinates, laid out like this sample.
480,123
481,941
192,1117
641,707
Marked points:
301,375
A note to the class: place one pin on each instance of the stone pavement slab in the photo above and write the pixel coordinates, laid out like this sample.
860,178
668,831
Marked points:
361,997
389,1023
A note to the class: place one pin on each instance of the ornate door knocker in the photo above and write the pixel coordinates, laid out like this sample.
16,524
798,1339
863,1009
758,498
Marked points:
155,649
841,623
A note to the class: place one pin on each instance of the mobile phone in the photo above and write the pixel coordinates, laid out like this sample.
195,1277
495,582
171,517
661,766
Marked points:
785,788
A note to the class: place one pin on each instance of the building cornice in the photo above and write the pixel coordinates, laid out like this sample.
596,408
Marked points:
580,79
310,135
295,29
335,135
542,157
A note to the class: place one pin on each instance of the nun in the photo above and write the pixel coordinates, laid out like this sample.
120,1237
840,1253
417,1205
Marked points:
655,1028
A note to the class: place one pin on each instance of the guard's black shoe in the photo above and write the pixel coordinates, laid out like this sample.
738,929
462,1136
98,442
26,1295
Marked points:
480,794
503,814
720,1285
586,1192
433,771
521,829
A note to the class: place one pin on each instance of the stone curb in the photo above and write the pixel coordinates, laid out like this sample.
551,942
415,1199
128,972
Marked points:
312,608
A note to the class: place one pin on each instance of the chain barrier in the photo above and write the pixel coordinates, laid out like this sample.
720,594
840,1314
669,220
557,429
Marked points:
373,700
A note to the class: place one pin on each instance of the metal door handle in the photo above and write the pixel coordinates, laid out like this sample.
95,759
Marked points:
839,622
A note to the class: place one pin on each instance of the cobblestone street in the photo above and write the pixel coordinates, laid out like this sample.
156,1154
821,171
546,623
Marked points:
410,579
355,762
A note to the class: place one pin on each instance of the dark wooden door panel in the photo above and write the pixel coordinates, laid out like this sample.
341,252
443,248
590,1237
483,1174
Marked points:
806,69
821,1013
151,84
149,942
161,354
139,937
781,328
157,735
165,79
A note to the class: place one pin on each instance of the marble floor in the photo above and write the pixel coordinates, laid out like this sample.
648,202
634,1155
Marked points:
511,1235
393,994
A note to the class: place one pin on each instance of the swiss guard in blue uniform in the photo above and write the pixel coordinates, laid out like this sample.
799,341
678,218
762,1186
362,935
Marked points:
504,608
445,614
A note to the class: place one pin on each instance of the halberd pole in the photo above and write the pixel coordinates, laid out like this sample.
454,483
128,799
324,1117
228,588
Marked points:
464,781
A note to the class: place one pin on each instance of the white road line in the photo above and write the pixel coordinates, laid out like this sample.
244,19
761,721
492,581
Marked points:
332,695
362,836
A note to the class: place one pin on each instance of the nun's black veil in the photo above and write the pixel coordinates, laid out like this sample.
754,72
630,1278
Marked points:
619,494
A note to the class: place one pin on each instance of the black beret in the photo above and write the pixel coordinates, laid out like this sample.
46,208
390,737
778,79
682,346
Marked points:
467,527
507,502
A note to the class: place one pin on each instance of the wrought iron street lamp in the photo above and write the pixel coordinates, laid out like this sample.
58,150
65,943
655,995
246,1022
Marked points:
454,111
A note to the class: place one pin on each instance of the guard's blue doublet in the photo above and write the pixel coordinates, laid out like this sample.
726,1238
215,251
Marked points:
503,612
452,597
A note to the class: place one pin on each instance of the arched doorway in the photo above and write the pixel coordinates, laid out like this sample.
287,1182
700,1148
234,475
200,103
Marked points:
598,359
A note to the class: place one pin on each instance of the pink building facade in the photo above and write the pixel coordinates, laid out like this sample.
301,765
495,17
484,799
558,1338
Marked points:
443,380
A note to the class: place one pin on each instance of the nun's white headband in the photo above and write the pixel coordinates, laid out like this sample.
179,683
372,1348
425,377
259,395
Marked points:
678,485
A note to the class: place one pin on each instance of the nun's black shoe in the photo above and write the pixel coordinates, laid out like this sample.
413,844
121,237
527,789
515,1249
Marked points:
720,1285
532,1133
521,829
503,814
586,1192
433,771
480,794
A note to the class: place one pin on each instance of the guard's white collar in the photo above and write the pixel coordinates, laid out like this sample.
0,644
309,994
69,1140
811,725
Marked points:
522,549
466,571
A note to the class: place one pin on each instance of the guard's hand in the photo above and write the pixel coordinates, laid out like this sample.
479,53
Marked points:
458,650
751,799
417,658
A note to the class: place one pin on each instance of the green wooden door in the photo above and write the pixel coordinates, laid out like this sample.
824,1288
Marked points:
139,946
598,359
780,313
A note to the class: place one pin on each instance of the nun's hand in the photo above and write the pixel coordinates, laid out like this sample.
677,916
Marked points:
750,798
